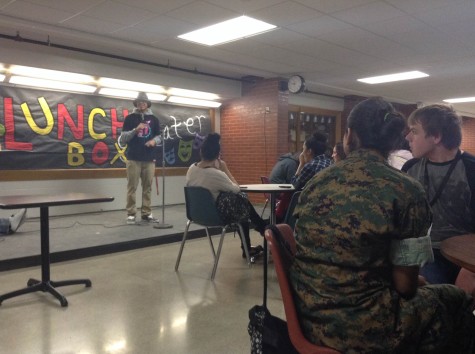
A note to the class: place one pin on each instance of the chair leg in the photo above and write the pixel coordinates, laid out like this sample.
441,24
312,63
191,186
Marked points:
185,234
213,252
265,206
215,266
244,244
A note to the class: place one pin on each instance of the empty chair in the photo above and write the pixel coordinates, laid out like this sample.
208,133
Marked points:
289,217
201,210
301,344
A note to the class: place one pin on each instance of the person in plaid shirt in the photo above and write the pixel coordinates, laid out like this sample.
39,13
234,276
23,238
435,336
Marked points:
311,160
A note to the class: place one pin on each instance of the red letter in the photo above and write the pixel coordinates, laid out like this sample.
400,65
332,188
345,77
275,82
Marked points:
10,143
63,114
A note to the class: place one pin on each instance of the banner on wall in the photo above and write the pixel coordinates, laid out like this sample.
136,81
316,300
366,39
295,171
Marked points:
55,130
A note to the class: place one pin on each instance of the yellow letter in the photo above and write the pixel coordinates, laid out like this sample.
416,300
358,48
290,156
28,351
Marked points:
75,158
90,124
48,115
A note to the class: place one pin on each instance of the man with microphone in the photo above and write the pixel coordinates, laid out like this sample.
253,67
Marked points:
141,133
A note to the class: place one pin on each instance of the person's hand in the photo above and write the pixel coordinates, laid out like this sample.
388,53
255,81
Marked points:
140,126
151,143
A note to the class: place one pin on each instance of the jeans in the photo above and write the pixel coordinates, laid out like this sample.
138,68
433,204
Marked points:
442,271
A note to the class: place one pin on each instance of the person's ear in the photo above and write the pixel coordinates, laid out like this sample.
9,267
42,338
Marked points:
436,138
350,141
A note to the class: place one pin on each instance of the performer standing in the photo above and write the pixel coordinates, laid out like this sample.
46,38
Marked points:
141,133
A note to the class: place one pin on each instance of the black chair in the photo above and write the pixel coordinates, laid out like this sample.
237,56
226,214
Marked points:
201,210
289,217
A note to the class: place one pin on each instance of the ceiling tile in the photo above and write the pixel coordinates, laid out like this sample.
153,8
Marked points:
330,6
118,13
30,11
67,5
202,14
157,7
285,13
319,26
368,13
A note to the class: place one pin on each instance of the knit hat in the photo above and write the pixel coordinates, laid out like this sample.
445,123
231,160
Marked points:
142,97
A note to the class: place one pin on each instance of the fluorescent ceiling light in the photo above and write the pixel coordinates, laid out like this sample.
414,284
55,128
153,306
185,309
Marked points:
393,77
460,100
56,85
118,93
156,97
193,94
193,101
227,31
50,74
2,77
130,85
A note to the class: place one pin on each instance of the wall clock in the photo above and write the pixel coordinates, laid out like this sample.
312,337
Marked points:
296,84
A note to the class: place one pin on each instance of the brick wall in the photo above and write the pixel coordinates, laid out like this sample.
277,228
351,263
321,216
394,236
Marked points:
468,135
252,137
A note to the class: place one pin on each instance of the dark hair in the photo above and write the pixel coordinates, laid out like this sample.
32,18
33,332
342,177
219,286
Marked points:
377,125
210,149
440,120
340,151
317,143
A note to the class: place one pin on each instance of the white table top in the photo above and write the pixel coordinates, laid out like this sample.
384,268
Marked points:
266,188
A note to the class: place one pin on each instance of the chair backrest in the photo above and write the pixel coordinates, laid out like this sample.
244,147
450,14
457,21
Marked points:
466,281
289,216
201,207
295,332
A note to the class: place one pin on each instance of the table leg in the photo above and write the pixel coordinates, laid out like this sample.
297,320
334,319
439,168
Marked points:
45,284
272,221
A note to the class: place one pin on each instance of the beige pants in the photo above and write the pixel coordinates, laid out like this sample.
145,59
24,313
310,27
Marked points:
144,171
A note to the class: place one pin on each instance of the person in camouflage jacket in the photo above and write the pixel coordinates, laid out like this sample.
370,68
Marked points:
362,235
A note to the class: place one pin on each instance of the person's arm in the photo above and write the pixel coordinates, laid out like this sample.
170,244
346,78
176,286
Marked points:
223,167
127,135
406,280
156,140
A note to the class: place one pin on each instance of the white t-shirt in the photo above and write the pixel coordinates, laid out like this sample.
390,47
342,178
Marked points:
398,158
210,178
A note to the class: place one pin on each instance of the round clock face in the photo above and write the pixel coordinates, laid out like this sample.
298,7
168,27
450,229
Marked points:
296,84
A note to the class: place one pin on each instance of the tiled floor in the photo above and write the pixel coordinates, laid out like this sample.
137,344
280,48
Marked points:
139,304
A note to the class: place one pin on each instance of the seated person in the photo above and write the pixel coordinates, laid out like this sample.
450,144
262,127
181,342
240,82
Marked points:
284,169
11,224
361,238
213,174
312,159
338,153
401,155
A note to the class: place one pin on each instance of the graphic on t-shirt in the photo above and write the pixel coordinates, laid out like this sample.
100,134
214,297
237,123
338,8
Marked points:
144,132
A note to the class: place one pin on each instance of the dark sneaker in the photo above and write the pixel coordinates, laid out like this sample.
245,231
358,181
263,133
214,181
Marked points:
150,218
254,252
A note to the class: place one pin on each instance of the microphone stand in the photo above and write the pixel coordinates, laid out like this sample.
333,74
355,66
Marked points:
163,225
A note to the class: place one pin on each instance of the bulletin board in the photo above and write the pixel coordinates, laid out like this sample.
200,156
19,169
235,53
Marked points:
55,130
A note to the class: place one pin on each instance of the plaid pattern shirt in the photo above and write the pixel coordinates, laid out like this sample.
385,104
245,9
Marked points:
309,170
